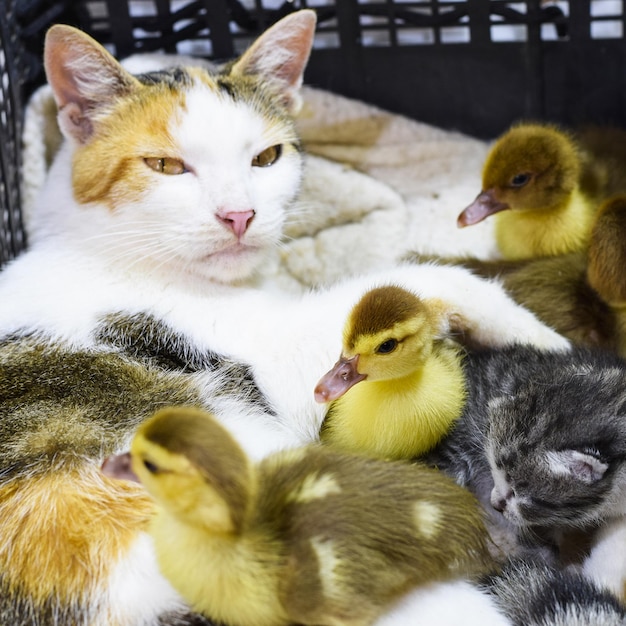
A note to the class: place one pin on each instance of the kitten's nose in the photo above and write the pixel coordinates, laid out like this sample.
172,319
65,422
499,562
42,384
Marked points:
237,221
498,501
498,504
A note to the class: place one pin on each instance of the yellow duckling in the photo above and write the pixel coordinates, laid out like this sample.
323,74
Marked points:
397,388
544,187
307,536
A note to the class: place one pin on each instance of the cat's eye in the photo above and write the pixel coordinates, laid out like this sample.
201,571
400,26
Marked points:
520,180
267,157
387,346
166,165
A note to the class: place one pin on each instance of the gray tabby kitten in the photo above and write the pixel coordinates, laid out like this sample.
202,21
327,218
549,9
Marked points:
535,594
542,442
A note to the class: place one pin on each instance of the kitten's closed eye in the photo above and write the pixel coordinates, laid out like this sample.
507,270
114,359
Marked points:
166,165
267,157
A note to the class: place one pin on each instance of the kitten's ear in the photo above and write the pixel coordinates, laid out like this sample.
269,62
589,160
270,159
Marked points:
280,55
579,465
83,76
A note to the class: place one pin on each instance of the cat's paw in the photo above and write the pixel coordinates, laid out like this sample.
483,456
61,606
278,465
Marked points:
480,313
522,327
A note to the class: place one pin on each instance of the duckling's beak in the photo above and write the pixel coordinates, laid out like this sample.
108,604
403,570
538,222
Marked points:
338,380
119,466
484,206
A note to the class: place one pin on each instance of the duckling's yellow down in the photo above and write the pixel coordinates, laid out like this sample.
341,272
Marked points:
543,185
400,418
308,536
563,229
399,386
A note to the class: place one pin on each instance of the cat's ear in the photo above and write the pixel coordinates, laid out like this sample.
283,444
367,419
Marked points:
84,78
582,466
279,56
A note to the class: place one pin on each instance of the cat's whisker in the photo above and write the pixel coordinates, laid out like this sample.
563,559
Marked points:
115,240
139,255
301,211
130,233
155,234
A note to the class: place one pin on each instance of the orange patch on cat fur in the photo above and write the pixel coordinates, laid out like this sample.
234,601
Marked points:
110,169
61,532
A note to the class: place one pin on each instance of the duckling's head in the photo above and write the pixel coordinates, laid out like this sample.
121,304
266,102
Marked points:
389,334
532,167
193,468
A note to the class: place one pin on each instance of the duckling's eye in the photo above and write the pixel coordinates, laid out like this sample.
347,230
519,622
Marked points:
151,467
387,346
166,165
520,180
268,157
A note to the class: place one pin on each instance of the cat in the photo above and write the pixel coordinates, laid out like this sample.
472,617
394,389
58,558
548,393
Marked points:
535,594
521,593
542,443
113,236
163,203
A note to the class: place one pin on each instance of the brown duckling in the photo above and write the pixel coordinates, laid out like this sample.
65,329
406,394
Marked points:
607,252
308,536
606,262
398,387
544,186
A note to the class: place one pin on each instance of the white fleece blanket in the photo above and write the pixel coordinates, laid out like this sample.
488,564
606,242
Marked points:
376,185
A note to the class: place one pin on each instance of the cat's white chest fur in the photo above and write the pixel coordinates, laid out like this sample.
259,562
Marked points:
289,341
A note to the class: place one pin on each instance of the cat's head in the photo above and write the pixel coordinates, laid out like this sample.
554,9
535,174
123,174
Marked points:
557,448
184,168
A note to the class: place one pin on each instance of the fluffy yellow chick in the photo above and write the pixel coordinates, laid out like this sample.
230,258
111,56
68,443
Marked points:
397,388
544,189
307,536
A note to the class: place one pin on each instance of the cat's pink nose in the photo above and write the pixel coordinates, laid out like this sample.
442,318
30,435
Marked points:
499,501
237,221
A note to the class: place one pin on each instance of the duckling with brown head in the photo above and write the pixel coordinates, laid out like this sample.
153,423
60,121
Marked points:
545,185
399,385
307,536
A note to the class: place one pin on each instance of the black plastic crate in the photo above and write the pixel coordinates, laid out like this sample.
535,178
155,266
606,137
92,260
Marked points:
470,65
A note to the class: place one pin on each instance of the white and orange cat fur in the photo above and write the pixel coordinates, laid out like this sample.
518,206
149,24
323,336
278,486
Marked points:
169,192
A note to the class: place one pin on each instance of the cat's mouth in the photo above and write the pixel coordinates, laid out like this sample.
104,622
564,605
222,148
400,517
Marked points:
231,251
